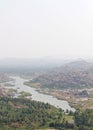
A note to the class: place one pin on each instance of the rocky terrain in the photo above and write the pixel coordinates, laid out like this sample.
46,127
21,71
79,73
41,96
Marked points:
77,74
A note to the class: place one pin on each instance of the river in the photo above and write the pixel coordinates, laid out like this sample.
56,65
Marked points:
19,85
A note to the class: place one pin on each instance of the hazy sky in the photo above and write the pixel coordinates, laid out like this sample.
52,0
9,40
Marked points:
37,28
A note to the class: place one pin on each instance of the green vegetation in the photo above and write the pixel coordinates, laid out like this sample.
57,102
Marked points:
84,120
24,114
34,85
24,94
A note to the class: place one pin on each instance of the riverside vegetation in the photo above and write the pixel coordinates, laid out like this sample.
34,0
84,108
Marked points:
24,114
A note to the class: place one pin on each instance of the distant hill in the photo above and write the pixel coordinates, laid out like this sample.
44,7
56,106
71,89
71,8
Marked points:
29,65
77,74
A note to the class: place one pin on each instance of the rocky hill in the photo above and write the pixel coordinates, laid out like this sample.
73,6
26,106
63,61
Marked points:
78,74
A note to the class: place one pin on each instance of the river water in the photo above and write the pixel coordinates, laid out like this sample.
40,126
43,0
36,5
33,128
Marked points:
19,85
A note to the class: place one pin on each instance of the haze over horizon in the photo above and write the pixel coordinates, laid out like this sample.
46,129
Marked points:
56,28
